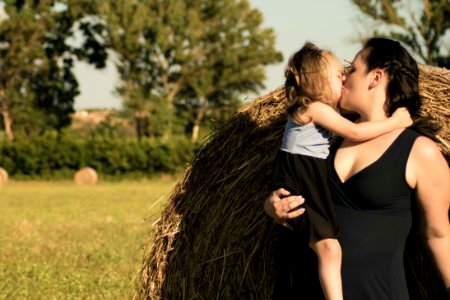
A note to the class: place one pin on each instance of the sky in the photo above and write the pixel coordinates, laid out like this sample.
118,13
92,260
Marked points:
330,24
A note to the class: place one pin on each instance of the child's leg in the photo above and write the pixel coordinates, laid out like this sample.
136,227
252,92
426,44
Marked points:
330,256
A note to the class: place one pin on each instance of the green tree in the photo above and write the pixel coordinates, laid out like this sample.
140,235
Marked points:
37,85
129,22
196,55
421,25
235,50
20,57
56,88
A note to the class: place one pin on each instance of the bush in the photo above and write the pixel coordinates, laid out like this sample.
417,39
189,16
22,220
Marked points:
55,155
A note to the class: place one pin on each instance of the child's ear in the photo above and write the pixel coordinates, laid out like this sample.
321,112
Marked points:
377,77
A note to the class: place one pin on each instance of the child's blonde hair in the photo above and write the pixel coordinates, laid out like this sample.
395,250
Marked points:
306,79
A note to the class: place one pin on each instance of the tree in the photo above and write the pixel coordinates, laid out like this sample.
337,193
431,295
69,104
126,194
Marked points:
20,36
421,25
37,86
179,54
129,22
235,51
56,88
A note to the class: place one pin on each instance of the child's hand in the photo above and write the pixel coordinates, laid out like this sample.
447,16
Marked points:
402,117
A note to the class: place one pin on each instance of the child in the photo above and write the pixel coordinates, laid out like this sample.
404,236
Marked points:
313,87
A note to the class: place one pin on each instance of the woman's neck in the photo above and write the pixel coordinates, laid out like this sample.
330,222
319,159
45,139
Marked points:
373,116
374,113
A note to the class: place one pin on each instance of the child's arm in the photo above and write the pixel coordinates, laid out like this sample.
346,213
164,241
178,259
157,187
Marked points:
325,116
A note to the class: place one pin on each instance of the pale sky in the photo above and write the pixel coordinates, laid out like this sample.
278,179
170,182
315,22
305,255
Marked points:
331,24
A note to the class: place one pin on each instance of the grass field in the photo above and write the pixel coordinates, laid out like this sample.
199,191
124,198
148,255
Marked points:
62,241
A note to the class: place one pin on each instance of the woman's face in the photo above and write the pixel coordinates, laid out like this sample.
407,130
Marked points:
356,86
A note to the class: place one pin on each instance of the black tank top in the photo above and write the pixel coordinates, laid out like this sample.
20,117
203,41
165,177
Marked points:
373,210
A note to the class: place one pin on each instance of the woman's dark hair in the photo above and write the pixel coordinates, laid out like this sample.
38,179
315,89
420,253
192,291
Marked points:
403,85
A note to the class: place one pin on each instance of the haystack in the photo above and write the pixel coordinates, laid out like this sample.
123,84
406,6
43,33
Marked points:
85,176
3,176
213,240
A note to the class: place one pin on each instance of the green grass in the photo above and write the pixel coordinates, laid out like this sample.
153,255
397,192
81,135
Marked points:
62,241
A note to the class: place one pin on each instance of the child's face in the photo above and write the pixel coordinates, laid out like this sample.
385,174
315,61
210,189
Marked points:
334,74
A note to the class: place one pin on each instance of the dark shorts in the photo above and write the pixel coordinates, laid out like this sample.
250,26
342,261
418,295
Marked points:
307,176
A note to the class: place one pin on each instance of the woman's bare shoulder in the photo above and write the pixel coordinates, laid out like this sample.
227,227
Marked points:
427,167
425,148
427,159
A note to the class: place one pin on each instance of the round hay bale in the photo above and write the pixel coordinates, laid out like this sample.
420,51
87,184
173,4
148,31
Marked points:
3,176
213,240
434,88
85,176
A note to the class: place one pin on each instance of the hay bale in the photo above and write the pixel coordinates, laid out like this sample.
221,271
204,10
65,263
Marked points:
85,176
434,88
3,176
213,240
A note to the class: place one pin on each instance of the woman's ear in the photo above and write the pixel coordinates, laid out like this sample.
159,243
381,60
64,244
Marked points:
377,78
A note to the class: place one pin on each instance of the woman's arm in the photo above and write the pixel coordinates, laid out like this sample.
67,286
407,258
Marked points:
327,117
428,171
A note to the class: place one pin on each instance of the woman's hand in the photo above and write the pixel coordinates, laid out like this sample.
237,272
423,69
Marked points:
282,206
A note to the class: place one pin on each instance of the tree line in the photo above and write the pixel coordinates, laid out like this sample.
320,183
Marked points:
179,61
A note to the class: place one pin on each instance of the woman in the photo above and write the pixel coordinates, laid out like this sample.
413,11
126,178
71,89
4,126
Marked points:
373,184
